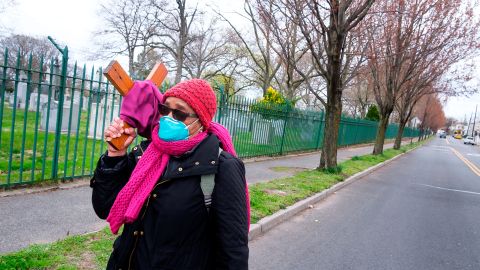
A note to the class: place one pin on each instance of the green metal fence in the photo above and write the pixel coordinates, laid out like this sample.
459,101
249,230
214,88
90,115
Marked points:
53,116
280,130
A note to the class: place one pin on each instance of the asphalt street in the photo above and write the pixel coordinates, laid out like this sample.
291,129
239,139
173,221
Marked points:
49,216
421,211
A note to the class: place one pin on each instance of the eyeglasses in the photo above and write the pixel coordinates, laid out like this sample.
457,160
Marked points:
177,114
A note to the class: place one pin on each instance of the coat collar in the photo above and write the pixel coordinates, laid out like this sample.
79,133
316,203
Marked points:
202,160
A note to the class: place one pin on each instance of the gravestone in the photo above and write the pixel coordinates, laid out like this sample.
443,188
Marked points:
76,97
34,97
243,122
262,132
229,122
278,126
21,93
52,117
97,133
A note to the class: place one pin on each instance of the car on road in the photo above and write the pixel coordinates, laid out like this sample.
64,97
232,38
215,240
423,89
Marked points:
469,140
443,135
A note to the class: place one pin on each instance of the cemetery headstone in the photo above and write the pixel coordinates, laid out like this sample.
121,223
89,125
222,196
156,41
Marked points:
262,132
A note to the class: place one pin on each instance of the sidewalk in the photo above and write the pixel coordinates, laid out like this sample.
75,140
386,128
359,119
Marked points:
48,216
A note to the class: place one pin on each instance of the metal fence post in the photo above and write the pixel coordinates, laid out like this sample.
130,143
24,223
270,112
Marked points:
3,90
221,103
320,129
287,113
61,96
14,114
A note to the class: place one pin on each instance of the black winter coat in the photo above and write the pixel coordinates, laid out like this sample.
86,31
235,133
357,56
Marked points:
174,229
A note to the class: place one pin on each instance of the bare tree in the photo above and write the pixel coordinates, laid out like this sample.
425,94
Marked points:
146,60
132,21
210,52
287,42
234,76
358,95
425,82
26,45
174,30
327,27
411,38
430,111
22,47
262,60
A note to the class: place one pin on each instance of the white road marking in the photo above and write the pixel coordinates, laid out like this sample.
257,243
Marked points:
442,150
449,189
440,147
473,155
467,162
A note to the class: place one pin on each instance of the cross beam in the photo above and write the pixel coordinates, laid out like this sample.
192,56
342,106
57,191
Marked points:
123,83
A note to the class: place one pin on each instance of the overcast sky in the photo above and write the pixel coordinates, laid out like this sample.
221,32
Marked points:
73,22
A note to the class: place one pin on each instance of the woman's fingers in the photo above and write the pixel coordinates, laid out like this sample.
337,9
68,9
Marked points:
118,121
116,130
117,125
128,141
130,131
131,136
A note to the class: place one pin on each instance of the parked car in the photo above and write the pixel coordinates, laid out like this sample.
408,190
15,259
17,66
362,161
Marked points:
469,140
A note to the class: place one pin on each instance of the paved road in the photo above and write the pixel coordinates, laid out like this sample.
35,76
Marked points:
46,217
472,153
420,212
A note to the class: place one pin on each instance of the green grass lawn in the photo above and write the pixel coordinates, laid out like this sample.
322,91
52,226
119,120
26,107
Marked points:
91,251
29,155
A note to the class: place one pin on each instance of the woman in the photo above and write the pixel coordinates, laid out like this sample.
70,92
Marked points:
155,191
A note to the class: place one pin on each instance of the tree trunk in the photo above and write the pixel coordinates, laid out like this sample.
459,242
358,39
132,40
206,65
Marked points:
131,69
333,110
265,86
398,139
178,74
333,114
380,140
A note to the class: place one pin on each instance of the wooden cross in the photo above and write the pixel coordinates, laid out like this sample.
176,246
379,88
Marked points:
123,83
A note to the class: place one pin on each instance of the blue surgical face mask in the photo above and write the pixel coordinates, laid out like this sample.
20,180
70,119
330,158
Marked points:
172,130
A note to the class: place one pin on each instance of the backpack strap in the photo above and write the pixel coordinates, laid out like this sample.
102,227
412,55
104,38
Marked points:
207,183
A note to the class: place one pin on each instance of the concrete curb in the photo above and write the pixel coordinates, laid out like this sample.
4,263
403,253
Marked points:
81,182
269,222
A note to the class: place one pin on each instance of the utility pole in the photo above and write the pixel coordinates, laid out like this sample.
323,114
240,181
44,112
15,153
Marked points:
474,118
469,122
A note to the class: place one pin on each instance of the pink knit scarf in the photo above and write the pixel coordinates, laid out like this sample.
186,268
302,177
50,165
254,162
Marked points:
149,169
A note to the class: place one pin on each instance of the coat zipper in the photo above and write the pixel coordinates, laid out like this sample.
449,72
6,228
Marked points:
143,215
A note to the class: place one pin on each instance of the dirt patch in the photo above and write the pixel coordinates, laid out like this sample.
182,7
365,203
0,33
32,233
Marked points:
276,192
288,169
87,261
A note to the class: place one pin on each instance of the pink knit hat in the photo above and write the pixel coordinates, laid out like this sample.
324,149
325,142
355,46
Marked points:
197,94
